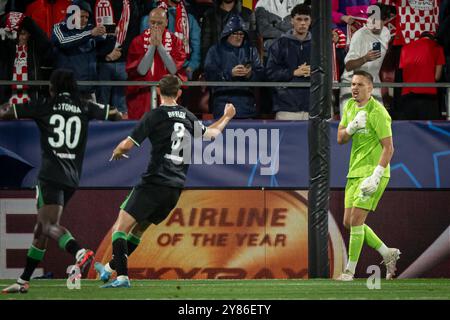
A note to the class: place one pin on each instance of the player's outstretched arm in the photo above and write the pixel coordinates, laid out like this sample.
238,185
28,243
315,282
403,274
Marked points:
7,112
217,127
122,148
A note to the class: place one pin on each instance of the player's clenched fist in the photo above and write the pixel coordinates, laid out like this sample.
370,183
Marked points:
358,123
229,110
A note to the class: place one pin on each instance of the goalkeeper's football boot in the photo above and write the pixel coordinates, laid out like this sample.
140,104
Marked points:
84,259
17,288
345,276
102,273
125,283
390,261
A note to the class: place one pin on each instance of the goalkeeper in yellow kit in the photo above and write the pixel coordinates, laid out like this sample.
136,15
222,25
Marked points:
367,123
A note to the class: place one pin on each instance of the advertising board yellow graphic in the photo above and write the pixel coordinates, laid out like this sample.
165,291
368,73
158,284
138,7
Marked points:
229,234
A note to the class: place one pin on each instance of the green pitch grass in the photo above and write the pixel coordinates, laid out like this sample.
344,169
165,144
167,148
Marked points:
238,289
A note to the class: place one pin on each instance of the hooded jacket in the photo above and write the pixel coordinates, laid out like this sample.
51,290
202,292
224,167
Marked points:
221,59
215,19
285,55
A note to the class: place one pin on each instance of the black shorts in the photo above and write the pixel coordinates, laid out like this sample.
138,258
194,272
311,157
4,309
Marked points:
152,203
52,193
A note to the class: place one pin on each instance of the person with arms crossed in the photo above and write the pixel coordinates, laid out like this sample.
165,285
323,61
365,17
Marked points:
63,123
366,122
169,128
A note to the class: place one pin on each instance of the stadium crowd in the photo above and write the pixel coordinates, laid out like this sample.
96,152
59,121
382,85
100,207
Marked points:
226,40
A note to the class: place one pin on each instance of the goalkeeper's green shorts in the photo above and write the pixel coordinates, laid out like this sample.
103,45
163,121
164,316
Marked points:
355,198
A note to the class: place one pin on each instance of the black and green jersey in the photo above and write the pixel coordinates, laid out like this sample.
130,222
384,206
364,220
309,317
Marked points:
63,124
169,129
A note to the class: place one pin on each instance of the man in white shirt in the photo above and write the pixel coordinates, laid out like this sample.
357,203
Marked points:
367,50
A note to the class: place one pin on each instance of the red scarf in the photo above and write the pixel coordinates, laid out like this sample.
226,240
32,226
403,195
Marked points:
166,42
20,73
104,15
181,24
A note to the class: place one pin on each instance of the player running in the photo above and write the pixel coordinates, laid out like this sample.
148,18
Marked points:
367,123
63,123
169,128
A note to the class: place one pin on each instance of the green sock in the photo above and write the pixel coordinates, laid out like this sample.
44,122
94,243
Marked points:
355,246
64,239
34,256
374,242
371,238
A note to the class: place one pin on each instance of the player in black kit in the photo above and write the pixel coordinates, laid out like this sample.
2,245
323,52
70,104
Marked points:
63,123
169,128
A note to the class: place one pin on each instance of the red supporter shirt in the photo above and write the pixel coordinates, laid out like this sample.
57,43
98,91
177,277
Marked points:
418,61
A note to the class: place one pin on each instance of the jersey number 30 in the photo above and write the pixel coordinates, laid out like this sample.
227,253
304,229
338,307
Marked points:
65,131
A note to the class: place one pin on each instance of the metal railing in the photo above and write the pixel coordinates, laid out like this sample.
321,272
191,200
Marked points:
153,84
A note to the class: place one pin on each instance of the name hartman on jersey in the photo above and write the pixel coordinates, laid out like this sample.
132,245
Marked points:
67,107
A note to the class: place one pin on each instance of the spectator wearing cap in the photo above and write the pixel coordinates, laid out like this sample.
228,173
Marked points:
25,51
421,61
75,41
233,59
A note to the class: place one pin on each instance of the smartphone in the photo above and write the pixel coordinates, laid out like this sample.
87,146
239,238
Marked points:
247,64
110,28
376,46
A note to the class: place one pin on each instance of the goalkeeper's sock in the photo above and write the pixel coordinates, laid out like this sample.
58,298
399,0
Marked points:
355,246
119,242
374,242
132,243
34,256
68,243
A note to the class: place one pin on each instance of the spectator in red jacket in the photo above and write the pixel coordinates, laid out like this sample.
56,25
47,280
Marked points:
151,55
47,13
422,61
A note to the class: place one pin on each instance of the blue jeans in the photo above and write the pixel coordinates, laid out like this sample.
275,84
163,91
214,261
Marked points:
113,95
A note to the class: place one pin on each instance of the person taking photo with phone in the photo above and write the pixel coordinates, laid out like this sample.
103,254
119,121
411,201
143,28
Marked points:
367,50
234,59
